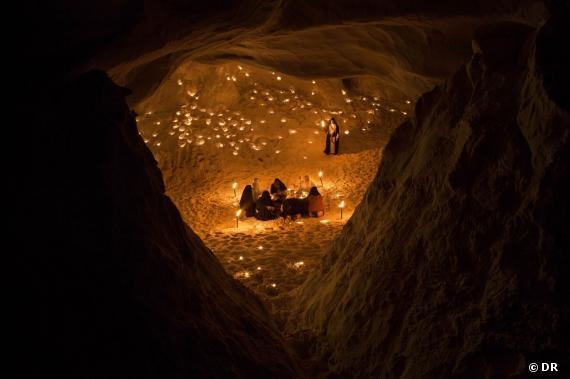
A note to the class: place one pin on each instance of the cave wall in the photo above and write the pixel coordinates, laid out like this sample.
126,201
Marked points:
455,264
457,249
123,287
141,42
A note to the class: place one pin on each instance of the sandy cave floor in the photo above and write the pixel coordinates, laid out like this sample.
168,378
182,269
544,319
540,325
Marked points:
272,258
221,131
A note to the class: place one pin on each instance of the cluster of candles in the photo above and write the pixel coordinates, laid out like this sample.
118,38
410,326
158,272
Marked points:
196,124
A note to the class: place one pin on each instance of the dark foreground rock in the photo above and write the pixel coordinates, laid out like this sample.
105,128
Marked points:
124,288
456,263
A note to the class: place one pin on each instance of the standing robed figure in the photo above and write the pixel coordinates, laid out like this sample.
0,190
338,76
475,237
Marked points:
332,138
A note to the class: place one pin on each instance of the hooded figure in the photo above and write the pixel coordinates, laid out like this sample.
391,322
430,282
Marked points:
332,138
278,191
265,210
316,207
278,186
246,201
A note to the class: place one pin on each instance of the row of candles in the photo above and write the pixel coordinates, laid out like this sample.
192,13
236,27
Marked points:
239,211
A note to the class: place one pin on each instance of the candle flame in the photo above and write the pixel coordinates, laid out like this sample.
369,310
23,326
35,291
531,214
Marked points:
238,213
341,204
320,174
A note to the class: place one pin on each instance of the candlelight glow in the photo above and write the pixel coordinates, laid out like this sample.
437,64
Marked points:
280,124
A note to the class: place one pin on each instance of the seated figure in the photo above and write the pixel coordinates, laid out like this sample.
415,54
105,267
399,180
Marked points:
316,207
278,191
264,208
246,202
256,188
305,185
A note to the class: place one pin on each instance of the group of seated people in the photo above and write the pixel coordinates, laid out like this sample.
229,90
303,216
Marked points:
279,201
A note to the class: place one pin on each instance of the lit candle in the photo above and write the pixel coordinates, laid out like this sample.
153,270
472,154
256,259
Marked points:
321,177
341,206
238,213
234,186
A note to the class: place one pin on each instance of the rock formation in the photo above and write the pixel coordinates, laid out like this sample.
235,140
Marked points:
125,288
455,264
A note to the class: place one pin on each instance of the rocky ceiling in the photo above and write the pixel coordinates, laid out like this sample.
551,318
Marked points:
407,45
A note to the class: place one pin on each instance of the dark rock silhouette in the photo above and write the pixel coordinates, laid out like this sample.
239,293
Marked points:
455,264
125,288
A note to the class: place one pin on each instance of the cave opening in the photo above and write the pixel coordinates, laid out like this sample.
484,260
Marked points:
215,127
448,258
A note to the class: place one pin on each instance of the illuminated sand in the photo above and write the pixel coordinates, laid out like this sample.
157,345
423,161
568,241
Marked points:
210,209
212,126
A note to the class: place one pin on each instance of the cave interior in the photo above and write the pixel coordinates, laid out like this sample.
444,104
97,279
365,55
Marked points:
442,247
